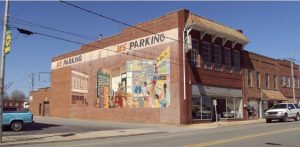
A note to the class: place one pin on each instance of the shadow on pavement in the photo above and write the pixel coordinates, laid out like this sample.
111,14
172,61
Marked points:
33,127
278,144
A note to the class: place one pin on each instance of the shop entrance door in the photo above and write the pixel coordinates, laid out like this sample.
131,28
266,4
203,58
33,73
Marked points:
46,109
221,107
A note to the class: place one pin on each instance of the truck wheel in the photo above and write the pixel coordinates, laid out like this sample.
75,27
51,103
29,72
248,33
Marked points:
268,120
285,118
16,125
297,117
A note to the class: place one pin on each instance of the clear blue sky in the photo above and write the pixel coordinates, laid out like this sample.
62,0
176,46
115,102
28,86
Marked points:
273,28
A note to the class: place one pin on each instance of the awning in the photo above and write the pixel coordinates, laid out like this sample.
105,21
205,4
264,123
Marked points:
273,95
206,25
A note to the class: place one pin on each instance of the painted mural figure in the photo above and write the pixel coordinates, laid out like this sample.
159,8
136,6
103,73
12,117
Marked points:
142,84
130,102
163,97
156,101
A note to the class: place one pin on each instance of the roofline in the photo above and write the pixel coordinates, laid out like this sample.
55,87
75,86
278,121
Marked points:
119,33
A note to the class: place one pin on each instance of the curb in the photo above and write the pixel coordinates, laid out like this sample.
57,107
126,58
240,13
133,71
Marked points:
68,140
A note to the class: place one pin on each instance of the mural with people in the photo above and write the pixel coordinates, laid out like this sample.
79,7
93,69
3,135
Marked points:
142,84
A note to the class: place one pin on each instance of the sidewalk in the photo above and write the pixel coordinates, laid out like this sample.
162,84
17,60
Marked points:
43,138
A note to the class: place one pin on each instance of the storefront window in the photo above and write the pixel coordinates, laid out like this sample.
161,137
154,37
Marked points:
238,108
201,107
206,108
229,107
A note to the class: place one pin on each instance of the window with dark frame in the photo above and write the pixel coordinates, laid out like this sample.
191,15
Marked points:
249,78
206,48
237,62
194,56
267,81
288,81
275,82
258,79
218,58
227,60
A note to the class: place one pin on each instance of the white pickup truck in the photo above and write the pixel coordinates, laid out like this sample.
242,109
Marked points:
282,112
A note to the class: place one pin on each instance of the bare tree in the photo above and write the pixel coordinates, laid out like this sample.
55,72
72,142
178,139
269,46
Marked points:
17,95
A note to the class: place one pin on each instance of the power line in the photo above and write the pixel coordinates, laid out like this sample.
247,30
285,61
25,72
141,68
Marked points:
76,42
23,9
74,34
115,20
57,30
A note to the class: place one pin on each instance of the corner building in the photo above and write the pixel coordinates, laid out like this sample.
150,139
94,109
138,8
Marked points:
171,75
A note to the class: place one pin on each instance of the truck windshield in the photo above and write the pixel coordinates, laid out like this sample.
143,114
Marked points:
279,106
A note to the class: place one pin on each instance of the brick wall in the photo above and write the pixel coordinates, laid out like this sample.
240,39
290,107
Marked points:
37,100
147,115
60,92
61,83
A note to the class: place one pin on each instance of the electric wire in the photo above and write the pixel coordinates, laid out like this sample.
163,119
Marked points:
115,20
79,35
90,45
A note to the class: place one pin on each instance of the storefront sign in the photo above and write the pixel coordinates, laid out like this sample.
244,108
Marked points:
139,43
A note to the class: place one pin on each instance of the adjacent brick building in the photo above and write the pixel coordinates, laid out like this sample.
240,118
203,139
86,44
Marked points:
171,73
39,101
267,81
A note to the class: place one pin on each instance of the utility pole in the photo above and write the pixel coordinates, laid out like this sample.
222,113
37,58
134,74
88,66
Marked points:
2,66
293,79
32,81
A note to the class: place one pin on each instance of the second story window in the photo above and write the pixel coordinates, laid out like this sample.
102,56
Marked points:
218,58
288,81
267,81
275,82
206,48
227,59
282,81
257,79
195,57
249,78
236,62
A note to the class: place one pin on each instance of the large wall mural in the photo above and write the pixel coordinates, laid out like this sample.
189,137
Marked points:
141,84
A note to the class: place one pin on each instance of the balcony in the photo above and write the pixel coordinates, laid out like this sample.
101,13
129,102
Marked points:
218,67
208,65
228,69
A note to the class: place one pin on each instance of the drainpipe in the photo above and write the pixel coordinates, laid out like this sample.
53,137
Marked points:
186,30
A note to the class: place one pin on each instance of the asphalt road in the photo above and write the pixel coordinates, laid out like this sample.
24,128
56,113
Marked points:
50,125
255,135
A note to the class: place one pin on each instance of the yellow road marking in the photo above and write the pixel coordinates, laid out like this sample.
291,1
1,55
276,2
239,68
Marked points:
222,141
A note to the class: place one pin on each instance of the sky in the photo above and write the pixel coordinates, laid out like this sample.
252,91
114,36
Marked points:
271,27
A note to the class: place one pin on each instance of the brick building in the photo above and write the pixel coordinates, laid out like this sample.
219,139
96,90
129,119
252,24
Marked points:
267,82
39,101
138,76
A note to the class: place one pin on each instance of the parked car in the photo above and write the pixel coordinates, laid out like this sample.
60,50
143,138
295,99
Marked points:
16,119
282,112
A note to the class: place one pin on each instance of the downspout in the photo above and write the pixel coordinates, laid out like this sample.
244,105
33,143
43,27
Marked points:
186,30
